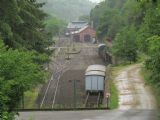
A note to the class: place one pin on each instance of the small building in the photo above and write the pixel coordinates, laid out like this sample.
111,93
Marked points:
81,32
75,25
85,34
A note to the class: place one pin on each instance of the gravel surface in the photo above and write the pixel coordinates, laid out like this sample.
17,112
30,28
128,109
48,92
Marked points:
133,93
76,71
64,72
136,101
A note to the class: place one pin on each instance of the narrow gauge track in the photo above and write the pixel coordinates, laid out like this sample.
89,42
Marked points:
60,66
93,100
50,92
87,52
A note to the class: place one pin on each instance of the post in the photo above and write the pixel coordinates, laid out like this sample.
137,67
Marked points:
108,97
74,83
68,53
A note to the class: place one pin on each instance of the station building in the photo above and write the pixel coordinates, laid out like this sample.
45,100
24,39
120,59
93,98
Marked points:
81,31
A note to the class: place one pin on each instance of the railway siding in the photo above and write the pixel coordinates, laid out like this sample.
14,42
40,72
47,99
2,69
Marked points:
58,92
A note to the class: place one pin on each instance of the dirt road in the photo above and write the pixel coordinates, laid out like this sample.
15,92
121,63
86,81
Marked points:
133,93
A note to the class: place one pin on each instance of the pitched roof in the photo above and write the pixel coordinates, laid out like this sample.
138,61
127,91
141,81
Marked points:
80,30
95,67
77,24
97,73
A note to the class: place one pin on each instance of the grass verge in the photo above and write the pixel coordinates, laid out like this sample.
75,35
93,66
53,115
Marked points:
145,74
30,99
114,96
111,88
115,69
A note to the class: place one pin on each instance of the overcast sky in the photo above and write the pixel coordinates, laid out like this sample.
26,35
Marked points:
96,1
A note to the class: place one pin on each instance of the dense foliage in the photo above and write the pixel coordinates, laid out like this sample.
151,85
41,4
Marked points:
19,72
68,10
134,27
54,26
23,41
85,18
125,46
21,24
153,63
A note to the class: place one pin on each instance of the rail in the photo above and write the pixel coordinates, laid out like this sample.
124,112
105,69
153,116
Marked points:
93,100
59,64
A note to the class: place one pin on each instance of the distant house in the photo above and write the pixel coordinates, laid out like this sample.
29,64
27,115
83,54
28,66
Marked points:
75,25
81,31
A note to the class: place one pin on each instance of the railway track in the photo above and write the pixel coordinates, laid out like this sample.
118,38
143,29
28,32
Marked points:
93,100
49,94
59,65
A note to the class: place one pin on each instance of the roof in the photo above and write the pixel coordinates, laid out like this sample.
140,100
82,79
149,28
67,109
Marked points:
98,73
77,24
101,68
100,45
80,30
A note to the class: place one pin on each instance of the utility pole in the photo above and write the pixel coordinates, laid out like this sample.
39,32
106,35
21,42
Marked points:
69,46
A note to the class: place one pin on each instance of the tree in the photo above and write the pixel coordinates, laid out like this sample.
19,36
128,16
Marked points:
108,25
153,62
125,46
67,10
19,73
85,18
149,28
54,25
97,12
22,24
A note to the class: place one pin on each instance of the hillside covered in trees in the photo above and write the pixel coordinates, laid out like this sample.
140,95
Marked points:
67,10
133,28
23,43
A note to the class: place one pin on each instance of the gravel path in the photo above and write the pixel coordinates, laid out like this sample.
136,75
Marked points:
133,93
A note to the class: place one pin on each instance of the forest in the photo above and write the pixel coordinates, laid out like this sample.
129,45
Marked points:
23,42
27,28
132,26
67,10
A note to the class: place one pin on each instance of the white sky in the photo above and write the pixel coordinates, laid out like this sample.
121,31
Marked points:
96,1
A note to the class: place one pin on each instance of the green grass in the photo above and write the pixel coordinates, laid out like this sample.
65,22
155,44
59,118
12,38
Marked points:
114,96
145,74
30,99
111,87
